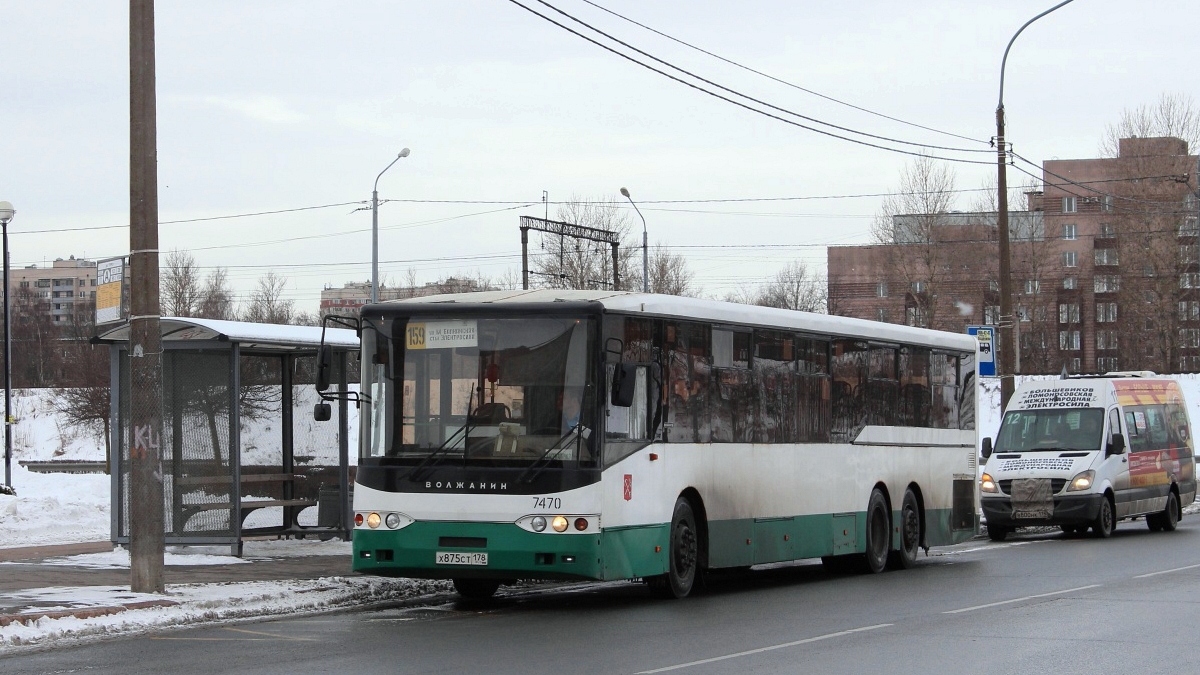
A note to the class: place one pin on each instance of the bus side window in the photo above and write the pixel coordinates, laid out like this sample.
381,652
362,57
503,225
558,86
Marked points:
1114,425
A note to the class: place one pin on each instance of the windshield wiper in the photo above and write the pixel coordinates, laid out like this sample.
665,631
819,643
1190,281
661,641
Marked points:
557,447
463,431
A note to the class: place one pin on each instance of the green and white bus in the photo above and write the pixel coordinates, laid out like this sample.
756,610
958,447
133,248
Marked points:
608,435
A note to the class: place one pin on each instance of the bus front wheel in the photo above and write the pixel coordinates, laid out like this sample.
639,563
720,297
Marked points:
683,554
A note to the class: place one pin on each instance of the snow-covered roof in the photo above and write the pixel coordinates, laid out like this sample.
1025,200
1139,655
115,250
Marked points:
245,333
716,311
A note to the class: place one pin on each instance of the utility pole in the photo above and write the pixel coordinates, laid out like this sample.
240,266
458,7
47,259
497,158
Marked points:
146,524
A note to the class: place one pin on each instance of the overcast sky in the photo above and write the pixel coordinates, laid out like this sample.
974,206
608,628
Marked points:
277,105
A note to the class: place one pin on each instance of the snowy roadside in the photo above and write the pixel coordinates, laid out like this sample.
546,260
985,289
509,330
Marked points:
98,612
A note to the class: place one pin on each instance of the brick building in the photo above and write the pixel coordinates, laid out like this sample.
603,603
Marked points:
347,300
1105,266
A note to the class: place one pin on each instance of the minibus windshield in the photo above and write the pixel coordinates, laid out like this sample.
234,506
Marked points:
1051,429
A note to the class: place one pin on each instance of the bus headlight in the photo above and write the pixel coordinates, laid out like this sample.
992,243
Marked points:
559,524
986,484
1083,481
392,521
538,524
373,520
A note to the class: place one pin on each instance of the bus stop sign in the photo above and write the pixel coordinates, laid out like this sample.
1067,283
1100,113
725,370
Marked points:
986,356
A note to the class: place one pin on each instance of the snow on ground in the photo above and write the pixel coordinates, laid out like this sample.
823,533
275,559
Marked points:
197,603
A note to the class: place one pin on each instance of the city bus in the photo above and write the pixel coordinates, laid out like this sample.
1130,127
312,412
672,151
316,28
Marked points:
598,435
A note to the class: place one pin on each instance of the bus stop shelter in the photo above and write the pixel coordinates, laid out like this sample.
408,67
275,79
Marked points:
242,455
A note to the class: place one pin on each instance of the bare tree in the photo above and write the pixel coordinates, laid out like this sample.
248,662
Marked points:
916,217
796,287
216,301
181,285
267,304
580,263
669,273
1173,115
84,403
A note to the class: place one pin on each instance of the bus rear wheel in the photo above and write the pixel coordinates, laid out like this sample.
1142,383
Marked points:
476,589
910,534
879,533
683,554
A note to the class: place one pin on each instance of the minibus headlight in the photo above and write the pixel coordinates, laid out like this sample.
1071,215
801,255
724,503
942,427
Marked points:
986,484
1082,481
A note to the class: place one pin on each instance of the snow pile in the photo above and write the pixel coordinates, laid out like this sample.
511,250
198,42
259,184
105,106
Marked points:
200,603
54,508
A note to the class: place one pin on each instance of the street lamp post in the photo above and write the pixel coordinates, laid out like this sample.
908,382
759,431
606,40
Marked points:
1007,319
6,214
645,244
375,228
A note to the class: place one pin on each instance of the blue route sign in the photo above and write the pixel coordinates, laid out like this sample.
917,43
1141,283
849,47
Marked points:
985,356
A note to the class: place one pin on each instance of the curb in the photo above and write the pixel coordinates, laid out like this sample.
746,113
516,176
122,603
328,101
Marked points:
82,612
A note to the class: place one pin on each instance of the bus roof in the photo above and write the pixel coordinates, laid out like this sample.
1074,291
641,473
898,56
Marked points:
673,306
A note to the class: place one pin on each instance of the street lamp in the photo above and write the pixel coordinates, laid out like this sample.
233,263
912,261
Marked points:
6,214
1007,334
645,247
375,228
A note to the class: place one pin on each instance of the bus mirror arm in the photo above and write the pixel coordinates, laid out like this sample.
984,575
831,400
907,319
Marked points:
986,448
1116,446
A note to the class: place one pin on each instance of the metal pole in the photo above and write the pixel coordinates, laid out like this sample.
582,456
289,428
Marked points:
7,369
145,338
645,243
1006,317
375,244
375,228
525,258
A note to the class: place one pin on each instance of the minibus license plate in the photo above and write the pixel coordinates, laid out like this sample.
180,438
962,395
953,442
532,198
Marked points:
453,558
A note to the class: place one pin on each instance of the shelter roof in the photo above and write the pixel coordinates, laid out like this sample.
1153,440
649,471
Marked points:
253,335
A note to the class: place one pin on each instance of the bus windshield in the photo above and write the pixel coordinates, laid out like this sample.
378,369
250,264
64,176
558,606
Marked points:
480,391
1050,429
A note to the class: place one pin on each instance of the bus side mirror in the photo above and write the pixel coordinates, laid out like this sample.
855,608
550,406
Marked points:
324,361
322,412
987,447
624,379
1117,445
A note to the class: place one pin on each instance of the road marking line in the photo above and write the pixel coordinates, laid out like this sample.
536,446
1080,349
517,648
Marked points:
1177,569
764,649
1028,597
273,635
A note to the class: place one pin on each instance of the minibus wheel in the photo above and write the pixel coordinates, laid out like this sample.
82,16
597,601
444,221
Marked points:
997,533
1105,523
1167,519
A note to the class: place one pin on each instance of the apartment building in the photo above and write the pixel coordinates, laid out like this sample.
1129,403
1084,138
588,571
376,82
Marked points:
1105,266
347,300
59,291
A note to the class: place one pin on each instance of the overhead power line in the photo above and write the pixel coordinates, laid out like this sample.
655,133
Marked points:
779,80
737,103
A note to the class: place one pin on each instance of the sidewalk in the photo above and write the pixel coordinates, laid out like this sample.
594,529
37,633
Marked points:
81,590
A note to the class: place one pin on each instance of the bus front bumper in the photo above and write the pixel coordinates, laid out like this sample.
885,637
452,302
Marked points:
512,552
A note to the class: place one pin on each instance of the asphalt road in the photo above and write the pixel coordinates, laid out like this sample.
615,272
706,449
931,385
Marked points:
1034,604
